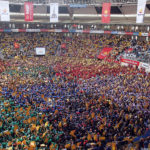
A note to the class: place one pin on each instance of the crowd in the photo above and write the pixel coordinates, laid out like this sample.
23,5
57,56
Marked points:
3,65
77,45
73,103
68,99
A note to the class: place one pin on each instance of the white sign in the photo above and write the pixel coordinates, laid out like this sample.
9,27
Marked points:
121,32
14,30
4,11
40,51
130,55
144,65
79,31
140,11
58,30
144,34
97,31
54,12
33,30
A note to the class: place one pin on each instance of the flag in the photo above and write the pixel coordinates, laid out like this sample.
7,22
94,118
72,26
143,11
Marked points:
140,11
95,137
89,137
114,146
51,127
73,147
28,11
44,134
46,124
106,12
93,115
42,96
67,146
1,123
104,53
102,138
15,128
60,125
56,112
32,144
54,12
29,120
33,127
72,133
16,45
63,45
4,11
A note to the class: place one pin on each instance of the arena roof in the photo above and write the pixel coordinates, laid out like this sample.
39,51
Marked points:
122,11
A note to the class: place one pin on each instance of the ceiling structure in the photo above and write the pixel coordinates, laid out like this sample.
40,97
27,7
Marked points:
122,11
66,2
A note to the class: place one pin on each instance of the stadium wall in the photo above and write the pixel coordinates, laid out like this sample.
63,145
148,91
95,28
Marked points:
77,31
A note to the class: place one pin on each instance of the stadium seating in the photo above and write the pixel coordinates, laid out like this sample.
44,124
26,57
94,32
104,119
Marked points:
83,46
69,99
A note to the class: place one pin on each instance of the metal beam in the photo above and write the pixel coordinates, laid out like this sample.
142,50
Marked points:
81,15
67,2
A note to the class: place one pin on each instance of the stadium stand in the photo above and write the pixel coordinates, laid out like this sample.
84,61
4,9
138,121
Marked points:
76,84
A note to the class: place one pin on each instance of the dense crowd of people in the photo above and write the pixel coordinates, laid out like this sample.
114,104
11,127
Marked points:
75,102
77,45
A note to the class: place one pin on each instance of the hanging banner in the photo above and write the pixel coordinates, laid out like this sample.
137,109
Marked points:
28,11
140,11
106,12
54,12
4,11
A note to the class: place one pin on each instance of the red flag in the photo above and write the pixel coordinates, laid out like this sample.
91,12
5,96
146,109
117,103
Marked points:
105,52
106,12
28,11
16,45
63,45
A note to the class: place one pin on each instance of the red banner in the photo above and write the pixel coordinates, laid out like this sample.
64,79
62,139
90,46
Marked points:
65,30
28,11
86,31
107,32
104,53
22,30
106,12
131,62
44,30
129,33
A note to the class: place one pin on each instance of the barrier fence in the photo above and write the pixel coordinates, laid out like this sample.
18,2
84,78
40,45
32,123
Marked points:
77,31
